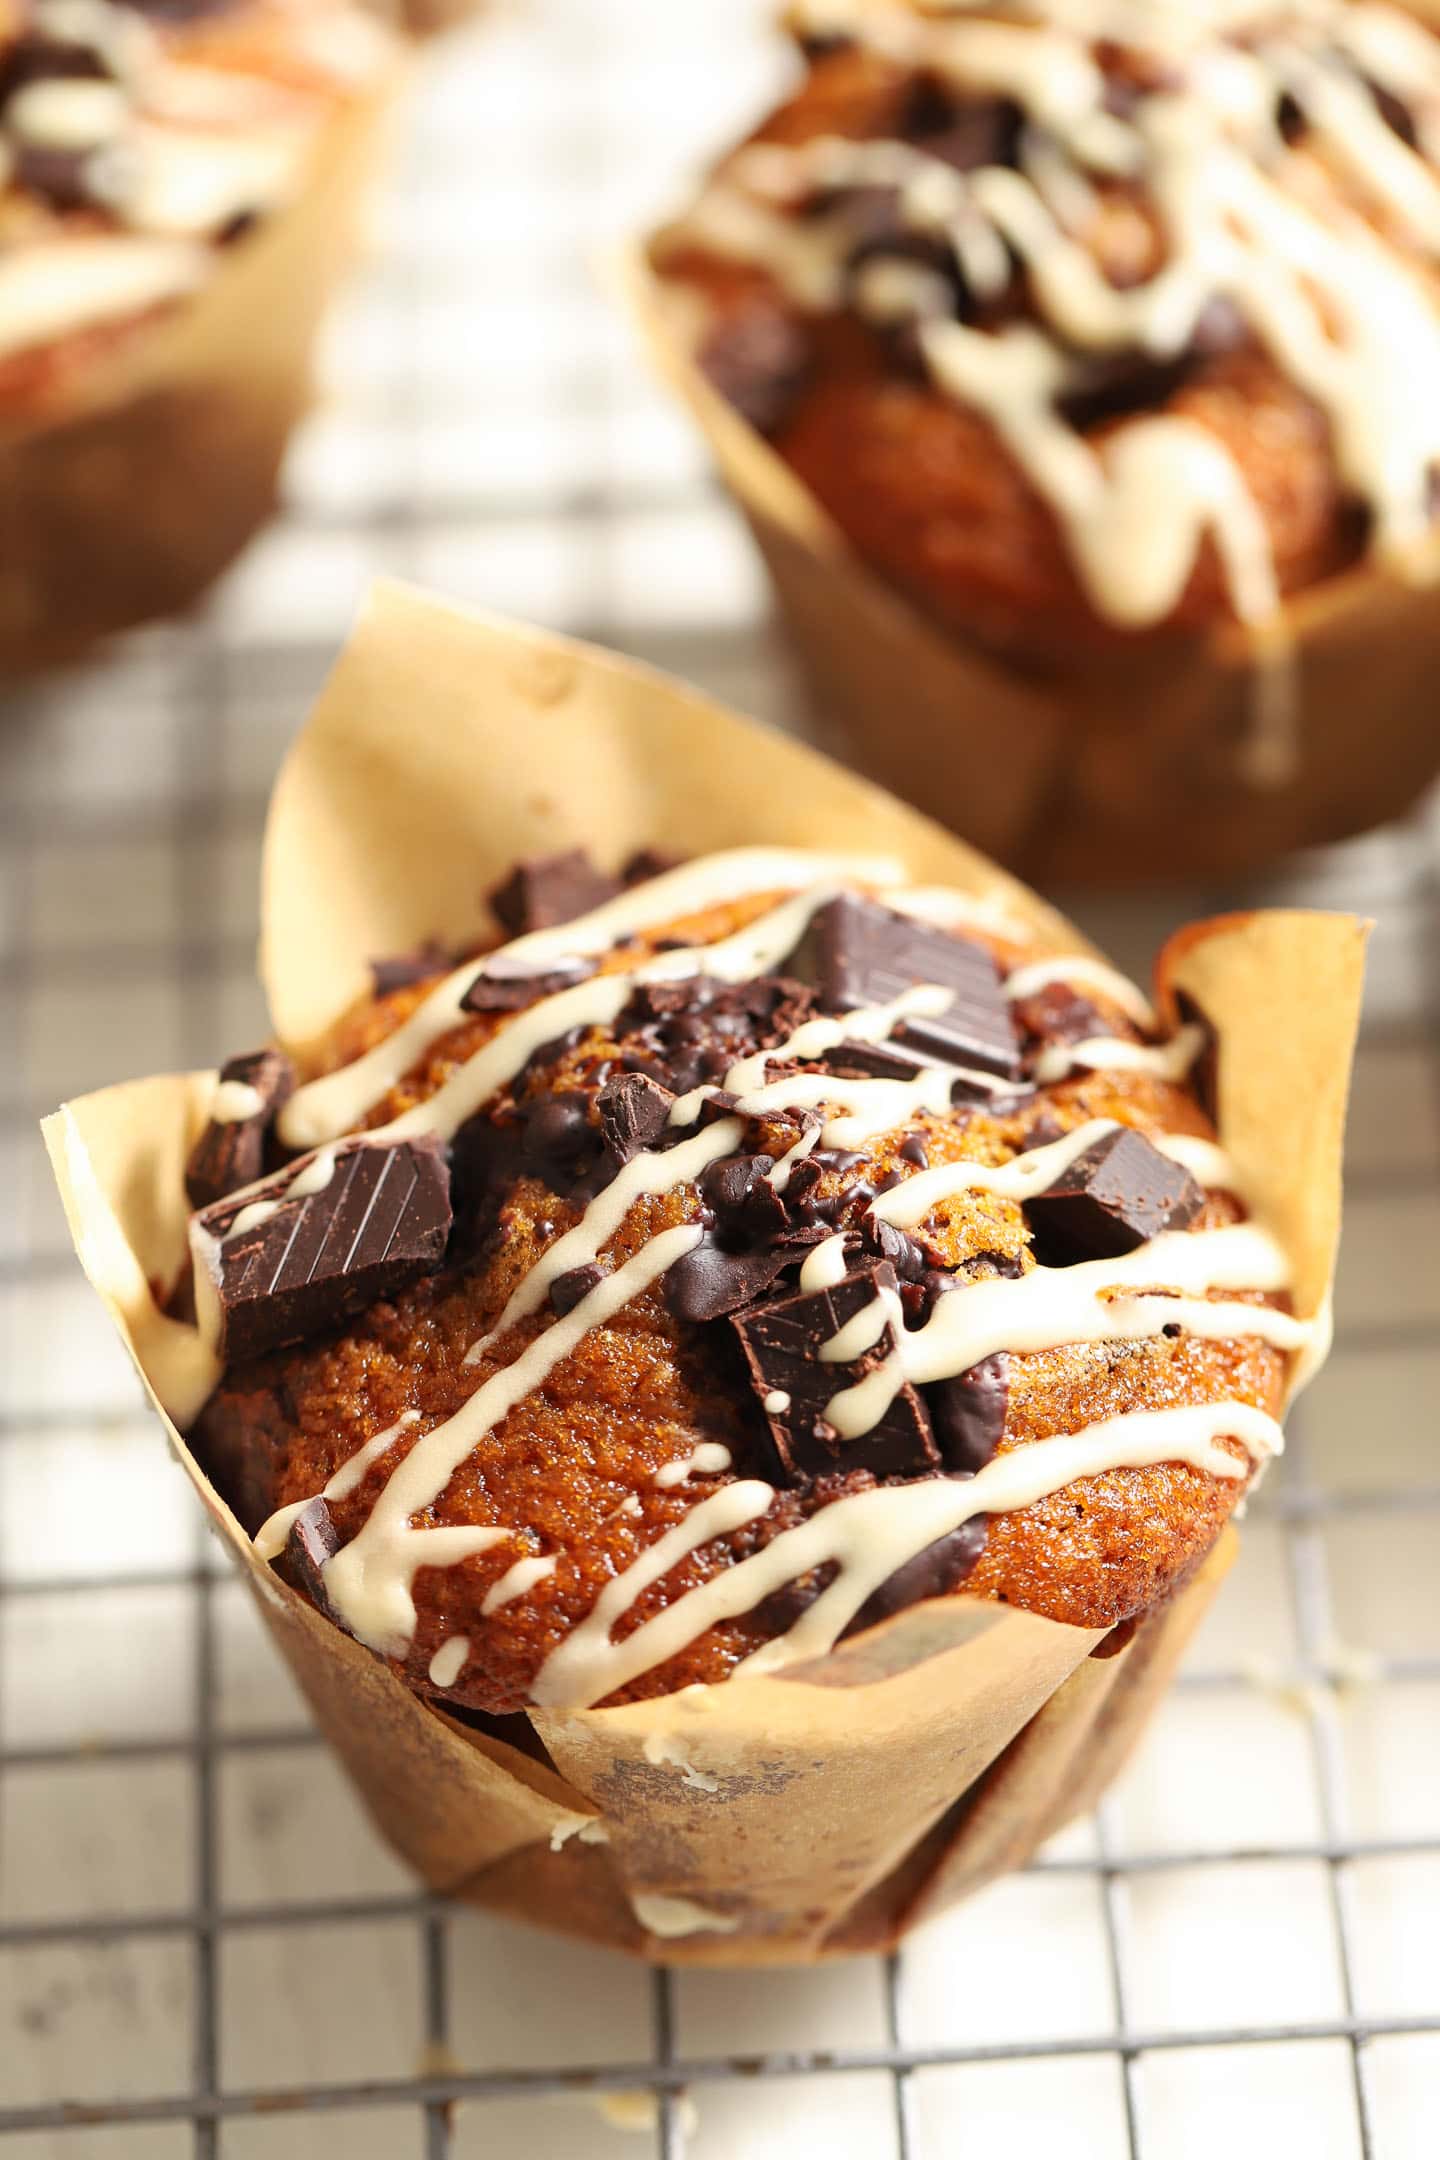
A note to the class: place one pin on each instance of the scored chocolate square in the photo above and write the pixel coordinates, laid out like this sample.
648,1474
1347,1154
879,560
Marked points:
857,952
782,1342
283,1262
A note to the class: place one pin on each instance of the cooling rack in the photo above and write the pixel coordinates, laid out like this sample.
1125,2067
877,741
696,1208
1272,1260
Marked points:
203,1948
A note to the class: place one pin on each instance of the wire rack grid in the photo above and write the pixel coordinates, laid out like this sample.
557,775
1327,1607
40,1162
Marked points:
203,1949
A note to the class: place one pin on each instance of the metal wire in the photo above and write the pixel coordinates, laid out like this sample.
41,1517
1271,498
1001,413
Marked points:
218,686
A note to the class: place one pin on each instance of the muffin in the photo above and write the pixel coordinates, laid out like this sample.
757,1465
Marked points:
177,188
745,1333
1103,340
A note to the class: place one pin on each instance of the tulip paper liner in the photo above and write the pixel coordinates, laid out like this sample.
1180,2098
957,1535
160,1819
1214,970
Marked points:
1126,769
773,1818
129,491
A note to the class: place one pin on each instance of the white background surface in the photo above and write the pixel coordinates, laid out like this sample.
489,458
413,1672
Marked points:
189,1900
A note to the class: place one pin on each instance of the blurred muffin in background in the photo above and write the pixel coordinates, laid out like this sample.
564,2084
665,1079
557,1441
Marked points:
1106,335
178,188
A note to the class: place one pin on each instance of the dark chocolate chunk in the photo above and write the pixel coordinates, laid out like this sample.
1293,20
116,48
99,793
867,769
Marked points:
231,1151
380,1220
1057,1013
397,971
546,890
859,953
634,1113
312,1541
759,360
738,1192
710,1281
934,1572
901,1250
690,1033
967,1413
567,1290
504,985
1119,1194
782,1343
871,1061
558,1141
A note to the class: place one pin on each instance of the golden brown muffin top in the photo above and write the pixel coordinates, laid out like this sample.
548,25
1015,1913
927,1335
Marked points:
1120,309
711,1274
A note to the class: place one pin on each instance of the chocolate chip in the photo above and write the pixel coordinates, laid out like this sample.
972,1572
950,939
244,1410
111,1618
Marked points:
380,1220
934,1572
692,1032
634,1113
505,985
545,890
397,971
913,1150
781,1343
567,1290
1396,114
557,1137
231,1151
1119,1194
759,360
967,1413
859,953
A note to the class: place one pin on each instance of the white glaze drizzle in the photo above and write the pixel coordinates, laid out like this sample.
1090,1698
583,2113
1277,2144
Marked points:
1170,1060
235,1100
270,1539
1073,968
707,1459
450,1660
670,1917
517,1582
868,1535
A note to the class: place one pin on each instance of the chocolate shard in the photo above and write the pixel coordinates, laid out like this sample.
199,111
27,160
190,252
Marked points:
634,1113
546,890
858,953
967,1413
312,1541
1119,1194
782,1342
935,1571
300,1255
710,1281
505,985
568,1290
871,1061
231,1151
397,971
1057,1014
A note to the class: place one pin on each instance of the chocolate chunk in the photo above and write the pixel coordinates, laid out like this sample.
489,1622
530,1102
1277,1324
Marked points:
505,985
634,1113
934,1572
567,1290
690,1033
1119,1194
739,1194
870,1061
967,1413
968,134
888,1243
397,971
231,1151
759,359
859,953
782,1343
312,1541
710,1281
546,890
380,1220
1395,113
1057,1013
913,1150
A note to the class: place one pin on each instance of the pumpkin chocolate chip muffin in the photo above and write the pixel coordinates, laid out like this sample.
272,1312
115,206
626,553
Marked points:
745,1250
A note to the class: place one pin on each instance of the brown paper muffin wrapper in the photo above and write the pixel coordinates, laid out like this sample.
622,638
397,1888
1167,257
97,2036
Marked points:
1133,767
150,473
775,1818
